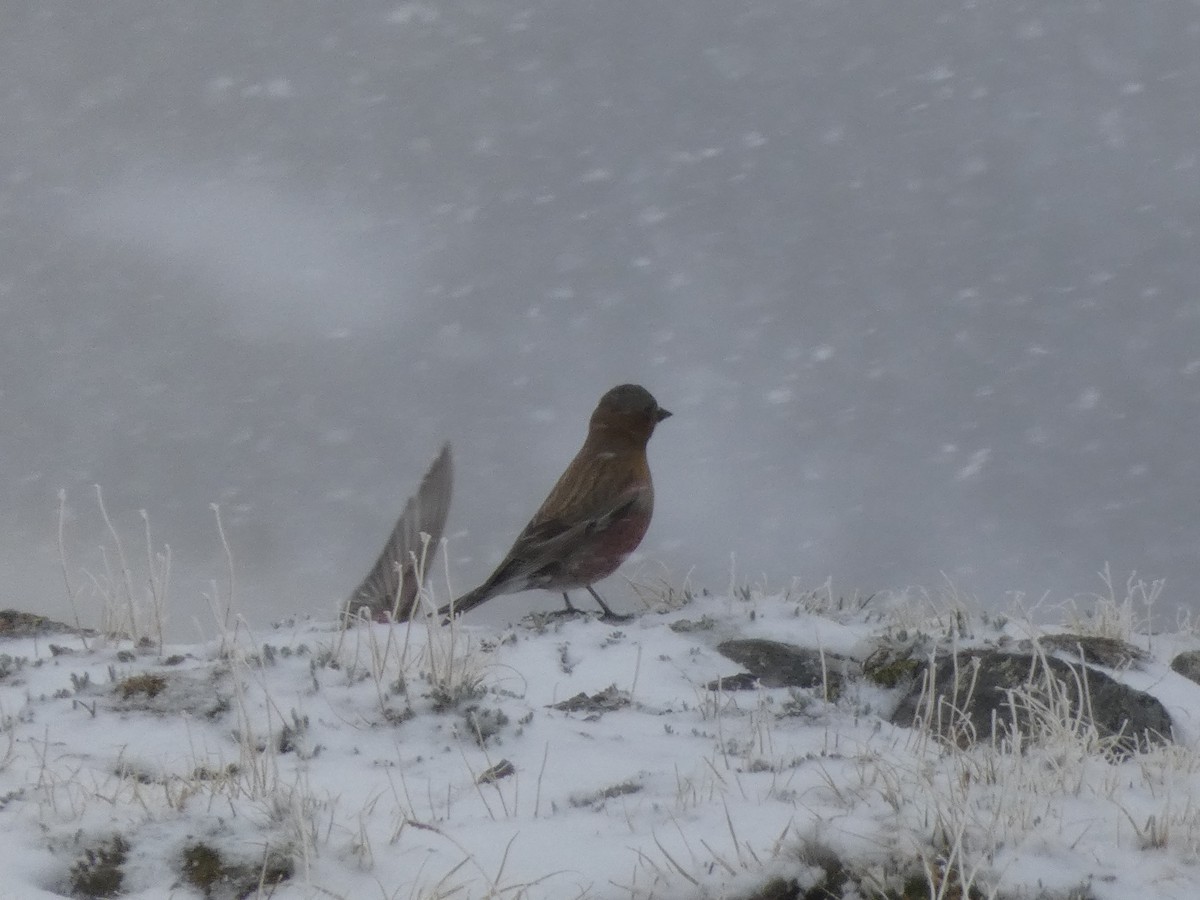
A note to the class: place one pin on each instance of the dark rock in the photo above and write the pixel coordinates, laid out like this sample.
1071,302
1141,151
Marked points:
606,700
1187,664
1095,650
776,664
778,889
597,799
683,626
892,666
16,624
974,690
742,681
502,769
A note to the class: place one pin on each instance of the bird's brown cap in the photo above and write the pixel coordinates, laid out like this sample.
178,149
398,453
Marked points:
631,399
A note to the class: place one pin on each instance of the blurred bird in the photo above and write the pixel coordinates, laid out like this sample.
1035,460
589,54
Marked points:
596,514
392,586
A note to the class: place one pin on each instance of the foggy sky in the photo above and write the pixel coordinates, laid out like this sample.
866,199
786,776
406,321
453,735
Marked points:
919,281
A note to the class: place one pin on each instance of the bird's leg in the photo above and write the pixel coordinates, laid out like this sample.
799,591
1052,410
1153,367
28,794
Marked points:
609,615
568,611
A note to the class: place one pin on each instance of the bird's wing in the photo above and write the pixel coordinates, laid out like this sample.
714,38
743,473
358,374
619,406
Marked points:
543,544
392,585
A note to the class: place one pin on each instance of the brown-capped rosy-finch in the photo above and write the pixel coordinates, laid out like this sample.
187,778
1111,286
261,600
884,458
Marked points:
391,587
596,514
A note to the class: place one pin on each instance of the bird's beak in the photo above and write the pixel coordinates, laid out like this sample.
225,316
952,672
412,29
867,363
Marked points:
662,414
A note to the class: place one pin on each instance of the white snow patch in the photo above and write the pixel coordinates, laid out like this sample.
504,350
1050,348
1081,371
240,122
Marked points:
974,466
333,747
651,215
1031,30
272,89
409,13
823,353
1088,400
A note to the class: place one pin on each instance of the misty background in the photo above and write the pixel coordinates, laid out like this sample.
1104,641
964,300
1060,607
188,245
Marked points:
919,281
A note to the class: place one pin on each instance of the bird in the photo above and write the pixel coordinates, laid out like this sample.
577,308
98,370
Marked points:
594,516
392,585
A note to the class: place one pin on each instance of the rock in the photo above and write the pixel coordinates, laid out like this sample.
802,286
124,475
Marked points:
683,626
891,667
16,624
1095,650
776,664
603,701
978,684
778,889
502,769
1187,664
742,681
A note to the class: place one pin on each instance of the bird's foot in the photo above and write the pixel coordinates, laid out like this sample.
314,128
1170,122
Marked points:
613,618
609,615
572,612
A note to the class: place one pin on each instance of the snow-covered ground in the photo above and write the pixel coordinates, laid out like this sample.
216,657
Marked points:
417,761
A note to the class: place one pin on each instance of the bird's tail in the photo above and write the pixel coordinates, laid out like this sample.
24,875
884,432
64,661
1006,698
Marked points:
469,600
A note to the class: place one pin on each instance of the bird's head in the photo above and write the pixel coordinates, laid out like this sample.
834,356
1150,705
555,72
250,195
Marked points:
627,410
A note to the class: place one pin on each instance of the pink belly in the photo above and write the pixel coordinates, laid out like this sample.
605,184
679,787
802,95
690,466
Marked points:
604,551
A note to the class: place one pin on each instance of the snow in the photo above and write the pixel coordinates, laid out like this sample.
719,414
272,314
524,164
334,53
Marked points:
345,750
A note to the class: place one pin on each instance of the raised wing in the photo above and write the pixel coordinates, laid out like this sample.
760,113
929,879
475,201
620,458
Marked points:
391,586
